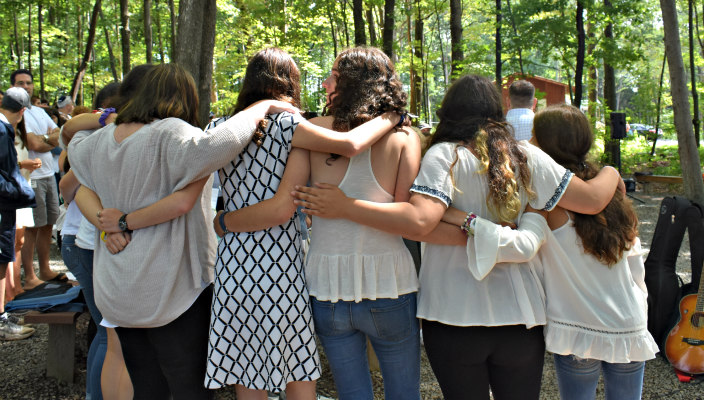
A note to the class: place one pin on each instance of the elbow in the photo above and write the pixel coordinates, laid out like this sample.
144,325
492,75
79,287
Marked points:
350,150
283,215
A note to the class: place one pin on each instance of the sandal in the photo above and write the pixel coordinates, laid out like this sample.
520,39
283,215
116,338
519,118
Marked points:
60,277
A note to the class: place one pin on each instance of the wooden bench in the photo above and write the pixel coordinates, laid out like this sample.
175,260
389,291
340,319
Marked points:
61,345
647,179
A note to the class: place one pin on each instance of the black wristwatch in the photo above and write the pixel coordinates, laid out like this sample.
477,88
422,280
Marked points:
122,223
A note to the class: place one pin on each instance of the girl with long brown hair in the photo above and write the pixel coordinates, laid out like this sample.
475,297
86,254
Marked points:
594,277
261,331
478,333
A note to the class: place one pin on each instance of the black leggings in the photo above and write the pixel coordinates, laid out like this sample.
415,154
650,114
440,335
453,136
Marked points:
169,361
468,360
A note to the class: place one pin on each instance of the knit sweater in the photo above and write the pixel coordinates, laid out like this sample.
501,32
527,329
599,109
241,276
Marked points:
165,267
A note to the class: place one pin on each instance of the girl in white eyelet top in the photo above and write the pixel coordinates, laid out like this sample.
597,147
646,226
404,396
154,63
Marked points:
350,262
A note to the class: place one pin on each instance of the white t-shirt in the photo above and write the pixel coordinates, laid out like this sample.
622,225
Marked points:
511,293
38,122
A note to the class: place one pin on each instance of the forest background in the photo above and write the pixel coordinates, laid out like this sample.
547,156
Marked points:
611,53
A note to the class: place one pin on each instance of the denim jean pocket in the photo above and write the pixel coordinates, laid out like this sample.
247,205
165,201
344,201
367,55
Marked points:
323,316
395,319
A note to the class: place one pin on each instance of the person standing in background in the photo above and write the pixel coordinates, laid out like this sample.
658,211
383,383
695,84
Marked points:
521,104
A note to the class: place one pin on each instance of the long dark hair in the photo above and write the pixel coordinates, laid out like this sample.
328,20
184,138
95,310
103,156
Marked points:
167,90
563,132
367,86
271,74
471,115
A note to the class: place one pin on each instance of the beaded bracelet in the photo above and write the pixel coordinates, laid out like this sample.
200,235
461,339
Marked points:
466,227
221,220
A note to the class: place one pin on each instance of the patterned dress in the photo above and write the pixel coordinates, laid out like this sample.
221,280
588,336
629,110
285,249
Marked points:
261,328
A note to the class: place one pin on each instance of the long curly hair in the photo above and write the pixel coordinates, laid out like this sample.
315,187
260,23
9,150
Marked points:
271,74
471,115
367,86
563,132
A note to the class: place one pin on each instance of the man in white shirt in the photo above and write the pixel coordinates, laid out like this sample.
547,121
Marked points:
42,136
522,101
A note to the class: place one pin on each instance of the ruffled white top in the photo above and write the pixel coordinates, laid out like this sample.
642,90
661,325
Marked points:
593,311
509,294
351,262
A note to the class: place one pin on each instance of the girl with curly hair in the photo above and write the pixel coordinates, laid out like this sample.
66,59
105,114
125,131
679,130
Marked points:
479,332
362,281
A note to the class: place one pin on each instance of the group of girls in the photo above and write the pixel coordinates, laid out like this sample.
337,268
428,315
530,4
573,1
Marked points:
482,298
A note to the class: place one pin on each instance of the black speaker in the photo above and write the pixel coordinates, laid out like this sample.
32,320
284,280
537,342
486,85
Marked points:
618,126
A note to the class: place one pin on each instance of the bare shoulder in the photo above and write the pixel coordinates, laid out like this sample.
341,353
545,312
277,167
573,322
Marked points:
403,136
322,121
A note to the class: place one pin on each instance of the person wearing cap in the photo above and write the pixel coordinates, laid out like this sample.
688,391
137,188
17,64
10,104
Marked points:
42,137
521,104
14,103
65,106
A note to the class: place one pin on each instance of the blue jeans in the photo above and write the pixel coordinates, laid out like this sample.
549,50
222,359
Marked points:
392,328
80,262
577,378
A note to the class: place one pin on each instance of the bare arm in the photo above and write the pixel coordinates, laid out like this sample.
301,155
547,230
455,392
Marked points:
276,210
166,209
40,144
317,138
68,186
592,196
82,122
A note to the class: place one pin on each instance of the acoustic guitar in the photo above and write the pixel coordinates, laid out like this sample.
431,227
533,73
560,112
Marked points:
684,346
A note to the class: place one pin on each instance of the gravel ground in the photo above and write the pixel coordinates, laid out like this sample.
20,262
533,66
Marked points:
23,362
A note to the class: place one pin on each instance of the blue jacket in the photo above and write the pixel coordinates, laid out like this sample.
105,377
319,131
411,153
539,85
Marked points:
8,159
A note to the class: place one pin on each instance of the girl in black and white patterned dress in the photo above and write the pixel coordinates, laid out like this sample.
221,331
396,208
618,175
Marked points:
261,330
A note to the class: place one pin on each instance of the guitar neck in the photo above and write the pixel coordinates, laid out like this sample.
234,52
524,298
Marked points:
700,293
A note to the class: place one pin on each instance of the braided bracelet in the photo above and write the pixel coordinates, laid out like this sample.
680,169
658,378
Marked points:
466,227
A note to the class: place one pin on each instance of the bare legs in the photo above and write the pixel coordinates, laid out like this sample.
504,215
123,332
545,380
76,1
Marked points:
115,380
298,390
39,238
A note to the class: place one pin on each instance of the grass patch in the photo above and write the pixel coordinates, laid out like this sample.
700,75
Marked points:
635,157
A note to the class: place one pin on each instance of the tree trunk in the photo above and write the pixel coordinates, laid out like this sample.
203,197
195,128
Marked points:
592,111
372,29
579,67
18,53
196,44
689,156
611,146
442,50
148,29
658,111
418,55
515,33
29,37
456,36
693,70
360,38
78,79
160,38
42,91
344,23
499,75
125,24
174,25
333,31
388,39
113,68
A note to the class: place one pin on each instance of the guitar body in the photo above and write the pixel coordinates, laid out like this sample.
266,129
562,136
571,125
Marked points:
684,346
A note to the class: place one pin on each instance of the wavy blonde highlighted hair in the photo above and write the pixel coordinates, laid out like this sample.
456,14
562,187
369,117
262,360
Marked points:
471,115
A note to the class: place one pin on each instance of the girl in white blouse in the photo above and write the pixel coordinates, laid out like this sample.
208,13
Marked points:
594,278
478,333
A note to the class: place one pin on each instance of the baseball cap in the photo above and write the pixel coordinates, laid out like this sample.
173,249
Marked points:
64,101
15,99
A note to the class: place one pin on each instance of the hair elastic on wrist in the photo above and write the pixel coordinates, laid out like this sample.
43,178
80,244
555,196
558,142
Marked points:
106,113
400,121
221,221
